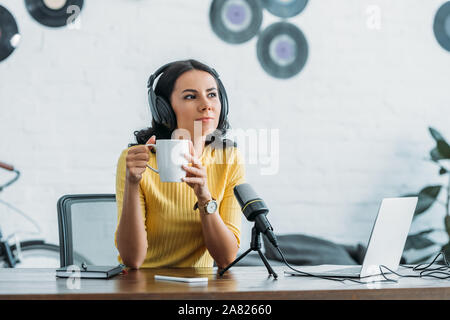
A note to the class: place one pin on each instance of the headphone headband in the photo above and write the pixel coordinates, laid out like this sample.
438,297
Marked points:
155,75
161,70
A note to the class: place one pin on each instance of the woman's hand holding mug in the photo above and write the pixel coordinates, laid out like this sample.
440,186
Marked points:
196,176
136,161
172,165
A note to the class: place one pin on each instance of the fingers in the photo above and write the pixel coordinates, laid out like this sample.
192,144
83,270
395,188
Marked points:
152,140
139,153
139,156
136,161
137,166
195,180
195,171
191,148
194,160
195,175
139,149
140,164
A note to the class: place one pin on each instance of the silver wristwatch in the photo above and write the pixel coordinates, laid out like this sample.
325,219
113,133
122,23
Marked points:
210,207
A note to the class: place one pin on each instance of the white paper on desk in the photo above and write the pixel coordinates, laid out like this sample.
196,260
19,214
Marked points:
180,279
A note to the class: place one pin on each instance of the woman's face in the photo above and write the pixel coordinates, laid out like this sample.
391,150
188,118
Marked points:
194,96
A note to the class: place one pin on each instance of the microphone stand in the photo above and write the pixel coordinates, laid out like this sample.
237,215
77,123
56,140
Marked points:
255,245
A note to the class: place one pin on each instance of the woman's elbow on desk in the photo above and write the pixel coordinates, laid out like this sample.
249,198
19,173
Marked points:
133,264
134,259
223,263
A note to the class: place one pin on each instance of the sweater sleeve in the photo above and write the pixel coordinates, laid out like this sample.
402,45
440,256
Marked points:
229,208
120,188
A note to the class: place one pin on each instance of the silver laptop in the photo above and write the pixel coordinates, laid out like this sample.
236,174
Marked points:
386,242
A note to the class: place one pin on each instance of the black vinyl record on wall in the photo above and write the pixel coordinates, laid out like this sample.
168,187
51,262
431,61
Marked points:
282,50
285,8
9,33
235,21
441,26
54,13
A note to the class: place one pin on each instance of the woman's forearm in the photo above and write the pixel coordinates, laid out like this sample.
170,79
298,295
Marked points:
131,235
219,240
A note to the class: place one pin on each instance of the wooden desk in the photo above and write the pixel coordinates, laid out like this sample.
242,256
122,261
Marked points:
250,283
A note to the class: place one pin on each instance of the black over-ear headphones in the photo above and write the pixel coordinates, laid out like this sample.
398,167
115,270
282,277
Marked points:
161,109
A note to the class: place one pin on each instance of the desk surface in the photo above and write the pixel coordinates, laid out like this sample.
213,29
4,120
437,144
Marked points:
249,283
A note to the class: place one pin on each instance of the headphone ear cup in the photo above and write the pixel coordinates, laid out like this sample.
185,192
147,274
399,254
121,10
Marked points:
165,112
223,102
153,107
223,98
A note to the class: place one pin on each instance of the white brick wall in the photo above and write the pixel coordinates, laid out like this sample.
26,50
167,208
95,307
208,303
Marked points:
352,124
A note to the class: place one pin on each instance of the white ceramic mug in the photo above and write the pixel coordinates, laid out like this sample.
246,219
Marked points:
169,158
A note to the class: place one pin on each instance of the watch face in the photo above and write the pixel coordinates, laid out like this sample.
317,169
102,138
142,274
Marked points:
212,207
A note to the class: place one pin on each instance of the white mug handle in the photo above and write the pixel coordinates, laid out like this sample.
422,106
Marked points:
152,145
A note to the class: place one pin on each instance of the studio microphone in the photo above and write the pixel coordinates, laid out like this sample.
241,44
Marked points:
255,209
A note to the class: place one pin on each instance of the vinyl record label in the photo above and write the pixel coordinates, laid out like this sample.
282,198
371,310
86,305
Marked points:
235,21
282,50
54,13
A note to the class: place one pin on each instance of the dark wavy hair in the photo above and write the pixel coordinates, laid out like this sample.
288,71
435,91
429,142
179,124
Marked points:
164,88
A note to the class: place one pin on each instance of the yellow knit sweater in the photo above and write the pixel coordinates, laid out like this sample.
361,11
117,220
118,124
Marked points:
174,231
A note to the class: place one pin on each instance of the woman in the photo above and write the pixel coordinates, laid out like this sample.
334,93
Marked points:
158,224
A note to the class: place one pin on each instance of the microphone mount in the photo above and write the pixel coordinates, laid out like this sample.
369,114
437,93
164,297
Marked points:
255,245
255,210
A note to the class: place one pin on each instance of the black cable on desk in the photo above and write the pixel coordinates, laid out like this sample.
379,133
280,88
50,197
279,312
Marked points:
306,273
332,278
424,271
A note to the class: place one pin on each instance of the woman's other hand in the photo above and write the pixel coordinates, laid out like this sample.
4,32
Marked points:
137,160
196,176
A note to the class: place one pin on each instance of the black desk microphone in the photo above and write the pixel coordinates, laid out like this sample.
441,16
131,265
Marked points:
255,209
